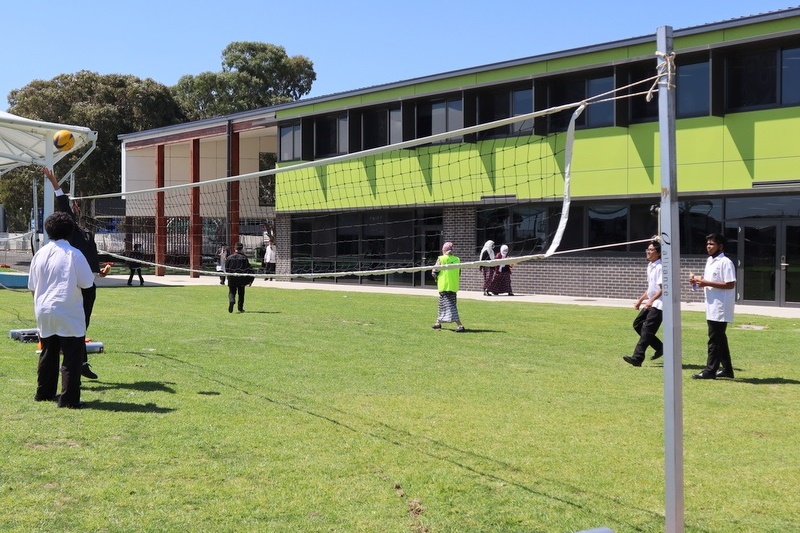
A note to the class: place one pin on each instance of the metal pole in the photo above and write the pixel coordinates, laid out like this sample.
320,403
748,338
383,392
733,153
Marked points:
670,258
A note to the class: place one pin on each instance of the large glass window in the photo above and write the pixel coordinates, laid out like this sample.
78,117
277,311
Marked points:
790,76
698,218
522,104
752,79
762,207
526,229
607,224
601,114
693,90
439,116
330,136
290,140
640,109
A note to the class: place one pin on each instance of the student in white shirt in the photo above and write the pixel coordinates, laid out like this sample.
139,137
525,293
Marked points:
58,273
650,308
718,282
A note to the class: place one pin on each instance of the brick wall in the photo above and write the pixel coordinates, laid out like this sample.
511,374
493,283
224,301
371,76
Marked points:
283,243
592,275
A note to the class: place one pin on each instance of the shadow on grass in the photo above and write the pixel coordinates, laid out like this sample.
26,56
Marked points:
143,386
769,381
122,407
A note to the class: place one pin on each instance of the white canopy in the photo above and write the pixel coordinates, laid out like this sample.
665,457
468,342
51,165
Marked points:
30,142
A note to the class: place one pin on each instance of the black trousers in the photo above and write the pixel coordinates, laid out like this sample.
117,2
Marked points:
74,349
646,324
137,270
89,296
719,354
232,292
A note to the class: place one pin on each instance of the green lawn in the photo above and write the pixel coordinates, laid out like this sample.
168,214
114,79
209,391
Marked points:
322,411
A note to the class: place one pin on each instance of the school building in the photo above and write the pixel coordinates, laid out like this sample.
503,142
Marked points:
738,167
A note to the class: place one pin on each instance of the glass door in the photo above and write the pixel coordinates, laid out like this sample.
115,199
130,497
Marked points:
790,264
768,262
758,263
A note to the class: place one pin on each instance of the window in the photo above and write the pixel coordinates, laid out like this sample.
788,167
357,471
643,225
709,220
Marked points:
290,140
607,224
752,79
693,90
504,102
790,76
266,184
640,109
439,116
524,228
601,114
330,136
568,90
522,104
381,126
698,218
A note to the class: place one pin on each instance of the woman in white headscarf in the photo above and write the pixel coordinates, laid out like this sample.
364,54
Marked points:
487,254
501,282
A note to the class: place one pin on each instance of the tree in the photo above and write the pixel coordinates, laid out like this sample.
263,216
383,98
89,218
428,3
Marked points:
109,104
254,75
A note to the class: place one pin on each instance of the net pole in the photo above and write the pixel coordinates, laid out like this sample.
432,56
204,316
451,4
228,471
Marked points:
670,258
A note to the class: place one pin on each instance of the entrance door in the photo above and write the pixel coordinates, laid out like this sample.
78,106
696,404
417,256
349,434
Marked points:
769,263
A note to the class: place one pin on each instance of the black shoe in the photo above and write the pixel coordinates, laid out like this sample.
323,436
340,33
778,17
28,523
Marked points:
241,310
704,375
86,371
79,405
630,360
511,294
129,284
461,329
230,307
53,398
437,326
725,373
656,355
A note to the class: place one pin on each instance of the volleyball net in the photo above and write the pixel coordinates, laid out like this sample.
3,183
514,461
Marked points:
373,212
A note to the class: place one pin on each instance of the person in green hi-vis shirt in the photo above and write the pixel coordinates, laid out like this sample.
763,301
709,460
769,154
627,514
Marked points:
447,281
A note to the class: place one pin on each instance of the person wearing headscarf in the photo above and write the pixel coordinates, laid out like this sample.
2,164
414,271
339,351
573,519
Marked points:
487,254
447,282
501,282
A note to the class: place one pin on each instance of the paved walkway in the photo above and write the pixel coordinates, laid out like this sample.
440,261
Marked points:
22,261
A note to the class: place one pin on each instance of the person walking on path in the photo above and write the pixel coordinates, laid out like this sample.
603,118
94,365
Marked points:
487,254
650,309
222,255
238,263
447,281
718,283
501,281
134,264
58,273
269,257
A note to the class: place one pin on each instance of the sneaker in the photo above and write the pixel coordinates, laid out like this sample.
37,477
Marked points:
460,329
437,326
230,307
86,371
656,355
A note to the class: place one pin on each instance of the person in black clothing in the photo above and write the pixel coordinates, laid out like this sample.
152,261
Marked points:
238,263
83,241
134,265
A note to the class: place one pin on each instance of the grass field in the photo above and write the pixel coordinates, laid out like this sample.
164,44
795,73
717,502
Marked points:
320,411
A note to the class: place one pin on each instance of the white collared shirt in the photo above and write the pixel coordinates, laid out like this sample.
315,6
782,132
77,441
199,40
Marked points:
719,302
654,282
58,273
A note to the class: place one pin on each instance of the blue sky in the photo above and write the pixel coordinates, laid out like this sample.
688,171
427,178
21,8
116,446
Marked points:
353,43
